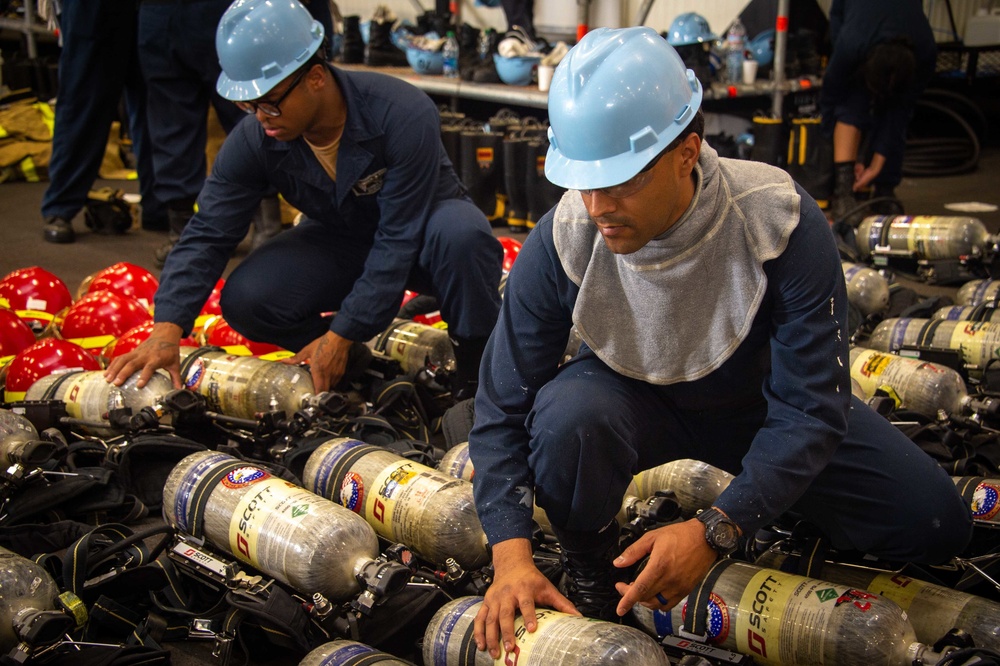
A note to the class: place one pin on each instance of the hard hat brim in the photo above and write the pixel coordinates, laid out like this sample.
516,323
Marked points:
243,91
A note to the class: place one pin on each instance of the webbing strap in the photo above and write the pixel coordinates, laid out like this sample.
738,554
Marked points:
696,619
926,335
195,518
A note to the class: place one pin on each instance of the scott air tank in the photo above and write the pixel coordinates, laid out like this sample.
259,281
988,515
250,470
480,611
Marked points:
23,585
780,618
15,432
89,397
923,387
406,502
967,313
350,653
244,386
933,610
416,346
927,236
982,495
977,342
285,531
975,292
558,640
857,391
867,290
695,484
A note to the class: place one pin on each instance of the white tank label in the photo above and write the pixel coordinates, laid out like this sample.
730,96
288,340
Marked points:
267,514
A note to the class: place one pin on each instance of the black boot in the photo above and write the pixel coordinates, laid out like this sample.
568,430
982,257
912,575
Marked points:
590,576
481,168
380,51
178,219
59,230
543,194
353,51
468,356
843,199
515,151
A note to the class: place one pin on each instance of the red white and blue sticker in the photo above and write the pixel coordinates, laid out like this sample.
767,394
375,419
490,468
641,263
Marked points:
242,477
352,492
195,374
717,627
985,501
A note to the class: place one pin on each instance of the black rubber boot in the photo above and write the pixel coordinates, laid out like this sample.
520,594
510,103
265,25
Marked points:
380,51
589,576
843,199
543,194
514,155
481,168
353,51
177,219
468,356
59,230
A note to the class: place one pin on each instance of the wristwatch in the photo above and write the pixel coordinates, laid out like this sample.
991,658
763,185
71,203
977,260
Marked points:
721,533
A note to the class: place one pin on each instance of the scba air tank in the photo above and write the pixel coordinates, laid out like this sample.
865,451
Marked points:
867,290
926,236
968,313
977,342
89,397
283,530
416,346
406,502
694,483
15,432
923,387
23,585
559,640
933,610
350,653
982,495
780,618
975,292
244,386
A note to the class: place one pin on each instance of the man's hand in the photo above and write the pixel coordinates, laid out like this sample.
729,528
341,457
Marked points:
327,358
679,558
517,586
864,175
160,350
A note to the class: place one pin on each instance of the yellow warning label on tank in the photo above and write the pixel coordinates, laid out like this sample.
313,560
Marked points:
867,367
269,509
976,341
897,588
401,491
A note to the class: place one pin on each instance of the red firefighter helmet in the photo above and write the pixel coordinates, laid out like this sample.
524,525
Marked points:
42,359
212,306
134,337
125,279
219,333
100,316
511,246
35,294
14,334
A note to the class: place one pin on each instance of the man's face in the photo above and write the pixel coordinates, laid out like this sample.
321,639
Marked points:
655,199
291,100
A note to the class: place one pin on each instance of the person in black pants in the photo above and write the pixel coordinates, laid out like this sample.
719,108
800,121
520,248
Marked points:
99,61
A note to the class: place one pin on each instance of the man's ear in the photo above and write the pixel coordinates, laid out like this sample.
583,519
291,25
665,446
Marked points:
690,150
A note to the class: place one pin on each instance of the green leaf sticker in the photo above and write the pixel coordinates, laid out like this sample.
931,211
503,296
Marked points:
300,510
827,594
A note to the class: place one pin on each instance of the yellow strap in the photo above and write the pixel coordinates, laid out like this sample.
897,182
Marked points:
48,116
93,342
791,147
238,350
28,169
802,144
3,132
276,355
765,120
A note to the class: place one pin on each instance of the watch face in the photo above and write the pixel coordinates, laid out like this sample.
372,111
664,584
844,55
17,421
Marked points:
724,535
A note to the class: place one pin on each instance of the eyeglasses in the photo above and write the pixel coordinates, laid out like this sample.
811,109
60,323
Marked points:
630,186
271,108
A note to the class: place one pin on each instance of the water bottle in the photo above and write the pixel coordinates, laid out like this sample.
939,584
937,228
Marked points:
451,56
735,40
483,47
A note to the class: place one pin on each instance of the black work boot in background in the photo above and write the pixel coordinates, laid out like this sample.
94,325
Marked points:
843,199
380,51
353,51
589,575
178,219
468,356
59,230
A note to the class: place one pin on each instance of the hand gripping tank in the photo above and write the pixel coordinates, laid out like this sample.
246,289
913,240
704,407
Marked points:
780,618
983,497
927,236
923,387
283,530
23,585
244,386
350,653
978,342
15,432
416,346
867,290
89,397
559,640
933,610
406,502
696,484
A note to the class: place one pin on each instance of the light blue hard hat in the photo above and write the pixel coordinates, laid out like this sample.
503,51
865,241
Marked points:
617,99
762,47
690,28
260,43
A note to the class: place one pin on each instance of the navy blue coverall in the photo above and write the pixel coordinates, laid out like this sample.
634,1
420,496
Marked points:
855,27
397,217
578,433
99,60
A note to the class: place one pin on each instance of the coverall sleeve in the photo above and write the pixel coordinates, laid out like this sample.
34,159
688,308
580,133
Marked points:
406,200
226,204
808,388
522,355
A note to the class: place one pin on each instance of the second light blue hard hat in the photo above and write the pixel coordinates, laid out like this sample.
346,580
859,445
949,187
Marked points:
617,99
260,43
690,28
